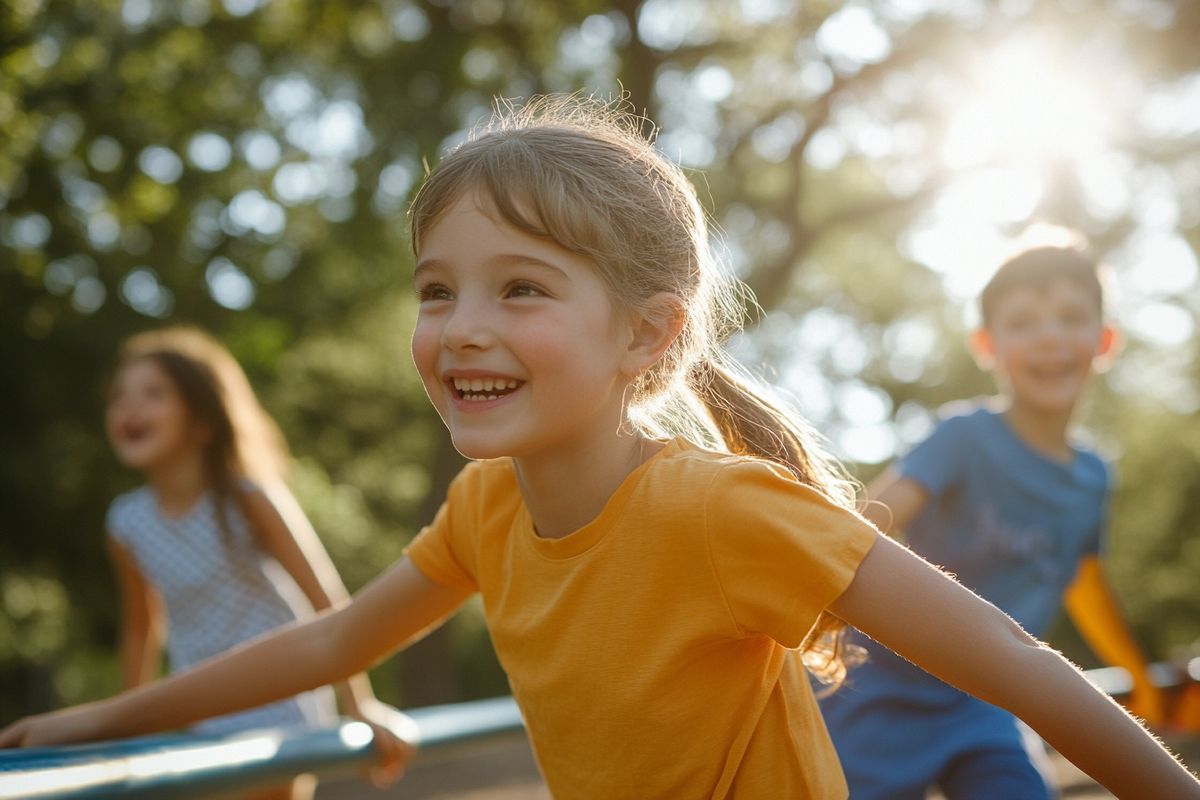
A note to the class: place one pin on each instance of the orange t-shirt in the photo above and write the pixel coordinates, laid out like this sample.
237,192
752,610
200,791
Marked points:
652,651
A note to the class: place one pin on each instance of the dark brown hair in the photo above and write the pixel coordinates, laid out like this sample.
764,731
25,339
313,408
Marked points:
244,441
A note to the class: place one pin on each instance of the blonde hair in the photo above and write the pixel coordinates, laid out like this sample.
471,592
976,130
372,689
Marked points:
578,171
244,441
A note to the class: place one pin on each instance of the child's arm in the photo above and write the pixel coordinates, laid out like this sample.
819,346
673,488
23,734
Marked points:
284,531
388,613
1095,611
909,606
143,622
893,501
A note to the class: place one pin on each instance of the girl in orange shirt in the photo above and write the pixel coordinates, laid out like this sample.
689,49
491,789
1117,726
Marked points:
658,544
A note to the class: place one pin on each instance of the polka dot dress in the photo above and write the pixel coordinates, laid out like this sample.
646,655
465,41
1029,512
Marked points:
219,589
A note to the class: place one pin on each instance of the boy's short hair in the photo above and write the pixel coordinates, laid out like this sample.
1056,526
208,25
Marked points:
1036,268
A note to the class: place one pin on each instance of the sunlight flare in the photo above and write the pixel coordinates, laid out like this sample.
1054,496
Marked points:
1026,104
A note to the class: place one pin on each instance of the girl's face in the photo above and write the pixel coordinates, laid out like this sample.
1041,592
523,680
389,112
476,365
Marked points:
516,341
148,422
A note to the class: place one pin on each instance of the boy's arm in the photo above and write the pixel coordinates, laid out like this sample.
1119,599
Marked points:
914,609
1097,615
143,623
284,531
892,501
388,613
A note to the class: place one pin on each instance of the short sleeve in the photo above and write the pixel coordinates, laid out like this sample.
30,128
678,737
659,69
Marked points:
937,462
782,552
436,549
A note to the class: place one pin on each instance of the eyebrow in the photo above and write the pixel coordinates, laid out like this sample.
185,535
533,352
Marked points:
502,260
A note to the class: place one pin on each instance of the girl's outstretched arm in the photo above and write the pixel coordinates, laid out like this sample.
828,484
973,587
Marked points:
1096,612
388,613
913,608
283,531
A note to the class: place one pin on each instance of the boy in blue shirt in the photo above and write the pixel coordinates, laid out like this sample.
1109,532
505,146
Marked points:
1000,497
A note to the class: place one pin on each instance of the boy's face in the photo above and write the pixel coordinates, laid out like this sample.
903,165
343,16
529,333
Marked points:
1042,343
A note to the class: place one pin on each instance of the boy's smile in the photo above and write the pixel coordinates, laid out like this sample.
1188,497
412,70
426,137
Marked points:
516,341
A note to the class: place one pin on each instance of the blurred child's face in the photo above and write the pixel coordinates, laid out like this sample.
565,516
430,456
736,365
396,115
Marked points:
1043,342
516,340
147,420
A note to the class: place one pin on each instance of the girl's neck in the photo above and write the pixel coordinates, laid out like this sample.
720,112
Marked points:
567,490
179,484
1044,432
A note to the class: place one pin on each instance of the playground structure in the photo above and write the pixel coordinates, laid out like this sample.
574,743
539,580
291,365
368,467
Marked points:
191,766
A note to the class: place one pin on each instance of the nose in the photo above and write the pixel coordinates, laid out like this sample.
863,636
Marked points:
1050,331
469,326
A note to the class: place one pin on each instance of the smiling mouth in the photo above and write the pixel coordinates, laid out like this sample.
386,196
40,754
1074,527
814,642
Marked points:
481,389
134,433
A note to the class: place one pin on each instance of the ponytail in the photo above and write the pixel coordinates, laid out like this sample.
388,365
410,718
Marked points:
579,171
751,424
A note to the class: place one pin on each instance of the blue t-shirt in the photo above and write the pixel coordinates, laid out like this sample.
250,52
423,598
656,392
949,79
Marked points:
1012,524
1008,521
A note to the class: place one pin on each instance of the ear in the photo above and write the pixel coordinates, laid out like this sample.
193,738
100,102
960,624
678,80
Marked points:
982,348
652,332
1107,348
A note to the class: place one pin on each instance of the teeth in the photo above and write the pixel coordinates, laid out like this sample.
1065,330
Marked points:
484,388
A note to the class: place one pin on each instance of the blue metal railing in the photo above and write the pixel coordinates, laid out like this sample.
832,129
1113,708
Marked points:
189,765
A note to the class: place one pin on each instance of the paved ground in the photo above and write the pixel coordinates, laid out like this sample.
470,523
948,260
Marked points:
503,769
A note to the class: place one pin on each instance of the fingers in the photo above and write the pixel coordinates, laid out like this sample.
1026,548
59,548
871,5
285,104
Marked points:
393,756
395,742
13,735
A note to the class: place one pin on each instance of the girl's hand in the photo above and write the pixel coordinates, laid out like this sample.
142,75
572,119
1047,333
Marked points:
68,725
396,740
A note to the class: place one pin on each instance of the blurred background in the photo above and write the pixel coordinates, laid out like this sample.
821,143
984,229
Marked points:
245,166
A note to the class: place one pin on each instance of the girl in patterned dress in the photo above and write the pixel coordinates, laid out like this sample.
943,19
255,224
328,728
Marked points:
213,550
